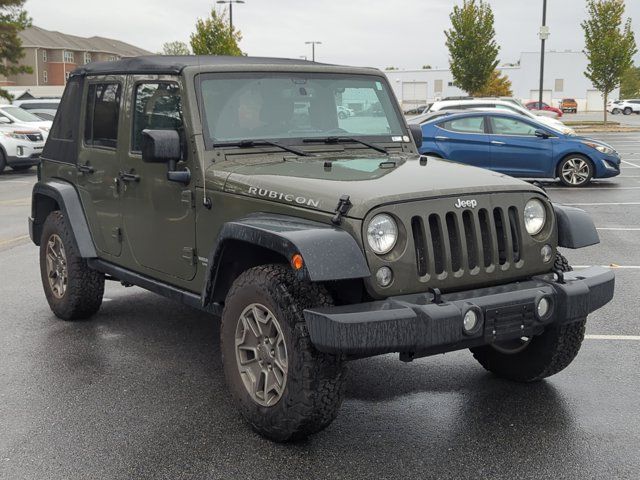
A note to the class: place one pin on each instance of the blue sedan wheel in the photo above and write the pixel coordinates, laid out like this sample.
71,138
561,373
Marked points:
575,171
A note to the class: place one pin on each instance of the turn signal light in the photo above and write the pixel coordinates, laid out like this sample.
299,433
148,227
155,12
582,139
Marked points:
297,262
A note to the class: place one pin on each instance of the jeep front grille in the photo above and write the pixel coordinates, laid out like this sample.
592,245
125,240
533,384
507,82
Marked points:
466,241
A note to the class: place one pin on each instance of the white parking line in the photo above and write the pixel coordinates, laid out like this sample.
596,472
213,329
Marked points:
612,337
620,229
632,165
599,204
593,188
612,266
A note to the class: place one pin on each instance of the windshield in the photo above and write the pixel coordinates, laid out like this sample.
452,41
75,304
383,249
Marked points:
20,114
304,105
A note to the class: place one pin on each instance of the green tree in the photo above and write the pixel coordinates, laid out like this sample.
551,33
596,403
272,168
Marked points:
630,83
13,19
609,45
498,85
390,68
213,36
473,52
175,48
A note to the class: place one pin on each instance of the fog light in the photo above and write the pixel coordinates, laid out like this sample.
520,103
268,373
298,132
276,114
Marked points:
546,252
384,276
20,151
544,305
470,320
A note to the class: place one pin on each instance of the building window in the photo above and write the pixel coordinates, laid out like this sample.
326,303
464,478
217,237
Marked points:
68,57
45,76
87,57
44,56
103,110
450,84
559,85
112,58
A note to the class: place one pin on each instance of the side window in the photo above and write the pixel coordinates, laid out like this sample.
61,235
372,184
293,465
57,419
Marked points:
102,114
158,106
511,126
465,125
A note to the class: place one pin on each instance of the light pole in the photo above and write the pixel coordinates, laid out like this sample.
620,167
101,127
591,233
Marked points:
543,34
230,2
313,49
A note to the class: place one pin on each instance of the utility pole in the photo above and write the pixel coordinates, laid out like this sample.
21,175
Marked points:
230,2
313,48
543,34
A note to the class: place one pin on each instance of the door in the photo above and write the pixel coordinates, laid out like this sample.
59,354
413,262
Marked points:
159,215
516,150
98,166
464,140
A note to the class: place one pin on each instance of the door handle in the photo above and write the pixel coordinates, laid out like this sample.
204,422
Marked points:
496,142
128,177
85,169
442,138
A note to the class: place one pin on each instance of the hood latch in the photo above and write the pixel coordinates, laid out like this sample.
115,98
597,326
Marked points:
344,204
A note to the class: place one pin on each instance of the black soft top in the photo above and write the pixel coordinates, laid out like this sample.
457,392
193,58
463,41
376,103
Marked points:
174,64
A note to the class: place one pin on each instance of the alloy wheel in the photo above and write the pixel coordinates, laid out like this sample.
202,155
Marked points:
575,171
57,266
261,354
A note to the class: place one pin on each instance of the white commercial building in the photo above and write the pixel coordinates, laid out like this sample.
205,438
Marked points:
563,78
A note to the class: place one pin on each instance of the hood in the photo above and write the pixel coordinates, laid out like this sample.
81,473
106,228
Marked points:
556,125
370,181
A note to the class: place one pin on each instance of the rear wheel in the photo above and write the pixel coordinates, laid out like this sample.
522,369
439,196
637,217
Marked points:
529,359
627,111
283,386
74,291
575,171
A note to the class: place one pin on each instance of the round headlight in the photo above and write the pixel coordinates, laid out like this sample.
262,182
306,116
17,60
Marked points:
535,216
382,233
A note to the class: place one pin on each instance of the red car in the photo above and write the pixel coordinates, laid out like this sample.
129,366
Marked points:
544,107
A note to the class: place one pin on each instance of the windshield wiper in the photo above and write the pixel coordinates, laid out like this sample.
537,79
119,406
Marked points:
344,140
263,143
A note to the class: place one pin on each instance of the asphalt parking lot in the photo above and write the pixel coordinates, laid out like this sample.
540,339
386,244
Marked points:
138,392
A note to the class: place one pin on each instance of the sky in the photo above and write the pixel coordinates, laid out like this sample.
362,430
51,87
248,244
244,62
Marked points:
404,34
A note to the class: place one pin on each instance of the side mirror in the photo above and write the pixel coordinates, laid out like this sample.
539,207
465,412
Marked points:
541,134
416,133
5,120
160,146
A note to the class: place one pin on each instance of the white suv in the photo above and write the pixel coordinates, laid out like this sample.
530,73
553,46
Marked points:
20,146
627,107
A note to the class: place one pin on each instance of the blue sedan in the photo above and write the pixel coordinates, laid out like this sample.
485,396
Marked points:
517,146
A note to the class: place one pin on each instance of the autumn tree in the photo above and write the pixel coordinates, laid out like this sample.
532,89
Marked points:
13,19
609,45
214,36
473,51
175,48
498,85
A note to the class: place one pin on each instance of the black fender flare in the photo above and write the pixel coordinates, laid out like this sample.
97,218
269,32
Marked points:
329,253
575,227
68,201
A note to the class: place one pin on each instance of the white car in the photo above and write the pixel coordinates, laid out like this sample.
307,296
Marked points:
503,105
10,114
344,112
20,146
44,108
627,107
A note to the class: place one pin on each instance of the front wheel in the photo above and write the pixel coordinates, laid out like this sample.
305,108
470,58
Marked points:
283,386
575,171
530,359
627,111
615,111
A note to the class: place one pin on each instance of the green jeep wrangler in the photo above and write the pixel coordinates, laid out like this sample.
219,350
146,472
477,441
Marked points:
239,186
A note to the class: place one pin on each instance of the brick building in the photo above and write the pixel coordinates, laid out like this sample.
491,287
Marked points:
52,55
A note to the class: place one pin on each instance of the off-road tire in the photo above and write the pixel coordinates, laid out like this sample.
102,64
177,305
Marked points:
85,287
545,355
315,381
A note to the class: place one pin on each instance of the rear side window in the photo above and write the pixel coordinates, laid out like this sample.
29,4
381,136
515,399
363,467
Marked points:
102,114
465,125
158,106
511,126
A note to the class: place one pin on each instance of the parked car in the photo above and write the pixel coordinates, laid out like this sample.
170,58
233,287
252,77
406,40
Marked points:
417,110
626,107
428,116
569,105
344,112
44,116
20,147
544,107
504,105
517,146
10,114
48,106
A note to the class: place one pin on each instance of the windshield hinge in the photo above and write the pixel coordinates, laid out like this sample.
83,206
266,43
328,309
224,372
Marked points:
344,204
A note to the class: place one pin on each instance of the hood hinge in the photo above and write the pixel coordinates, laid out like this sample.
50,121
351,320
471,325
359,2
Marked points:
344,204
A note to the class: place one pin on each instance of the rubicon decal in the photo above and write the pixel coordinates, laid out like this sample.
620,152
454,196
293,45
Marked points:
287,197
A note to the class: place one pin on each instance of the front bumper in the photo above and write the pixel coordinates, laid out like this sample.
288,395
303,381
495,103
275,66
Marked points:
415,326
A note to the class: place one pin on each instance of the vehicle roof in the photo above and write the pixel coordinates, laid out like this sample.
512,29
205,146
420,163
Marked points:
453,114
175,64
37,100
446,103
